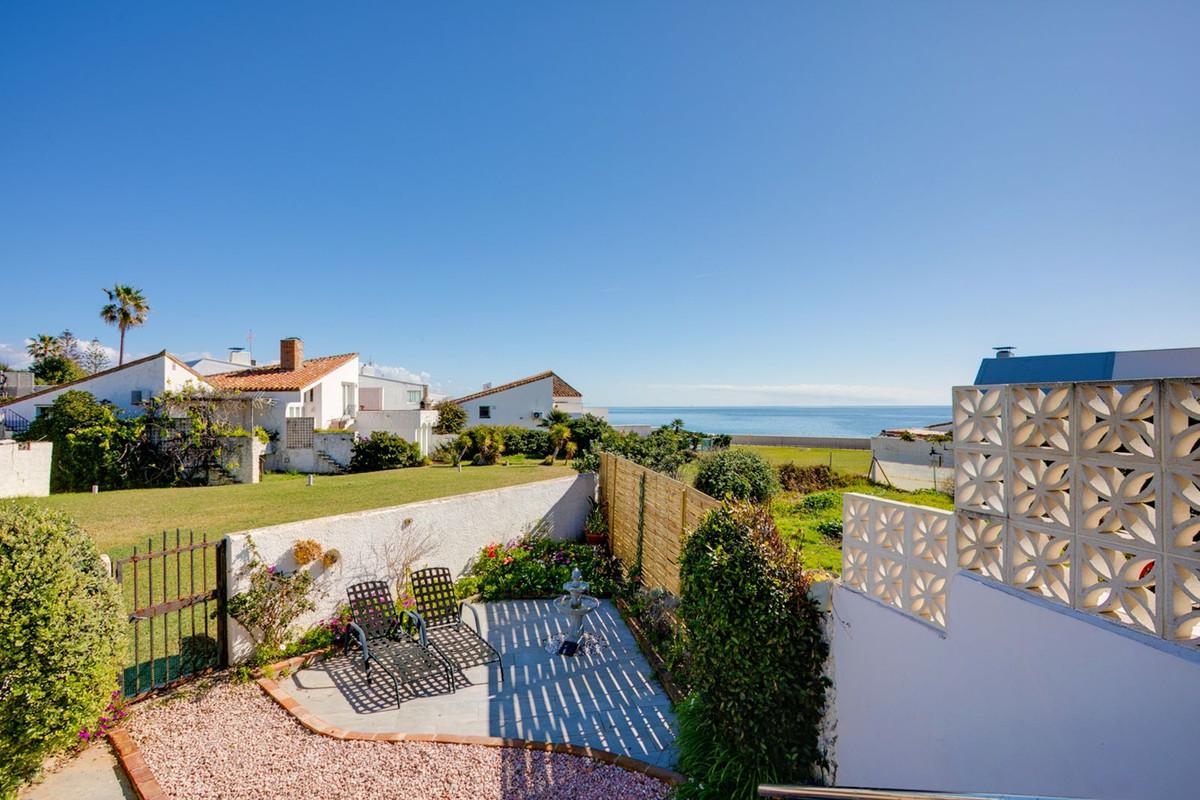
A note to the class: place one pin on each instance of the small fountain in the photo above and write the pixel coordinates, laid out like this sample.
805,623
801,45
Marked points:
576,605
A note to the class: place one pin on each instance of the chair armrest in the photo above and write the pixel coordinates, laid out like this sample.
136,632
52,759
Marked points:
474,615
361,637
420,622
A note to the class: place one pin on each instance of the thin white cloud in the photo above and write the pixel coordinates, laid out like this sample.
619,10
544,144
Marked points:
806,393
396,373
14,355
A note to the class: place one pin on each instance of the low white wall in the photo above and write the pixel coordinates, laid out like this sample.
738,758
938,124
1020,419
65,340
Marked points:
339,446
1016,697
892,448
25,468
459,527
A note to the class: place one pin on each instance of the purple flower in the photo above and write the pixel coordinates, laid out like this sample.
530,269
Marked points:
83,734
271,570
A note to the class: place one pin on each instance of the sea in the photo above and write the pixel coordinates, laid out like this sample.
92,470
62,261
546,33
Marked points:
783,420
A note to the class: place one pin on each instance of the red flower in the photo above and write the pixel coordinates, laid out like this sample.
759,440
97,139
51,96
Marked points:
508,559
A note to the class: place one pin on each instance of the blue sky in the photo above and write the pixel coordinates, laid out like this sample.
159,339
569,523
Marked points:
668,203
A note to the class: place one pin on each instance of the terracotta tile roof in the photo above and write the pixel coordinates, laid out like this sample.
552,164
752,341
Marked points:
561,387
109,371
277,379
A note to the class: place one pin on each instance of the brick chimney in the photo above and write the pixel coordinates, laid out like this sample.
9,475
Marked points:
291,353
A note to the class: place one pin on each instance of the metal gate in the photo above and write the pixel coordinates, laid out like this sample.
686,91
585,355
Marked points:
176,589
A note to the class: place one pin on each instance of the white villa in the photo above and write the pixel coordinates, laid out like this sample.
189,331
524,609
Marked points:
524,402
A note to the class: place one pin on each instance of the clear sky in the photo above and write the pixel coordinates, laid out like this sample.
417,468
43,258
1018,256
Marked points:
668,203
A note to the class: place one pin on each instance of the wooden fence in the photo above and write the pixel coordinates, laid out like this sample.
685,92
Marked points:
648,516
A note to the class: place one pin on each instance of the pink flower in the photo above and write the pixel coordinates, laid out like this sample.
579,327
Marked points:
83,734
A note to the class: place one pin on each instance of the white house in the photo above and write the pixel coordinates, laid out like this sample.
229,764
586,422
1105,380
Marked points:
126,386
324,389
524,402
238,359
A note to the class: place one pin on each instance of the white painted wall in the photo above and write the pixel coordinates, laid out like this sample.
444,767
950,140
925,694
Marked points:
460,525
1017,697
413,425
513,406
395,393
331,405
25,468
152,377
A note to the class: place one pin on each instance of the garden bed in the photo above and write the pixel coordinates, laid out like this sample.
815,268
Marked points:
230,741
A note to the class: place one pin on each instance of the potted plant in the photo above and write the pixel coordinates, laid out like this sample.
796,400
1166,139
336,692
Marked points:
595,526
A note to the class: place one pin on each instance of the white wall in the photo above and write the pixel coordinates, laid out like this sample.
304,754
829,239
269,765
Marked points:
25,468
460,526
413,425
1016,697
513,406
395,393
151,377
329,394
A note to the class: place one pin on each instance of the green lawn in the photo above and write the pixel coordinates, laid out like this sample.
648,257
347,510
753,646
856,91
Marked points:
119,520
854,462
799,521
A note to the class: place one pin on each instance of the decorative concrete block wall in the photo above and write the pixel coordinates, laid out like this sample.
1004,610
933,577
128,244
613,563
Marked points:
1086,494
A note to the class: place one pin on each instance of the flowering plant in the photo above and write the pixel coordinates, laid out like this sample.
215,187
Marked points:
113,714
537,566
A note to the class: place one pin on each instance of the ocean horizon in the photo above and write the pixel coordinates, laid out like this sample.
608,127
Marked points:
847,421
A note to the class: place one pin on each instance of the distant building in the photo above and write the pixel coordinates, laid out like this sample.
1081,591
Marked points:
524,402
1005,367
16,383
239,358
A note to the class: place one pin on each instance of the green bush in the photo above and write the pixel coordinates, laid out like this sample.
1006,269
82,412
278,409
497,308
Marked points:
737,475
820,501
756,659
83,431
829,527
537,566
588,428
451,417
62,638
810,478
530,441
382,450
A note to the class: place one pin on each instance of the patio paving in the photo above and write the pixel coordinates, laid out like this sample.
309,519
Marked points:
606,699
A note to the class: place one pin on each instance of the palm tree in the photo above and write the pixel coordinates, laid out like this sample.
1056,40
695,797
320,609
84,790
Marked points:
560,436
127,308
44,346
556,417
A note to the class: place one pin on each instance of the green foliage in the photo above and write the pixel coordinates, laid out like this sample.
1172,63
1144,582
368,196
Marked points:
820,501
83,432
484,443
62,636
588,459
538,566
272,603
664,450
126,308
383,450
450,452
753,637
451,417
810,478
261,434
595,522
56,369
530,441
589,428
737,475
831,528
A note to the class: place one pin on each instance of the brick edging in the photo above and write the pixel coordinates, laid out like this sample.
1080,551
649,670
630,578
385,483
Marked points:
142,779
318,725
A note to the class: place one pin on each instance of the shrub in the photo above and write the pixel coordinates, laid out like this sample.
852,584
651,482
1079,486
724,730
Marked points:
737,475
588,428
383,450
62,638
753,637
530,441
588,459
82,430
810,478
449,452
485,444
306,551
819,501
538,566
829,527
56,370
451,417
272,603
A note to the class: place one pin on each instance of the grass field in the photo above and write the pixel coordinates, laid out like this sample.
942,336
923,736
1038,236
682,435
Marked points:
854,462
119,520
799,522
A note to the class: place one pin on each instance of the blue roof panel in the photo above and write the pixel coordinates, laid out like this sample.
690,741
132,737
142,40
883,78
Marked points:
1046,369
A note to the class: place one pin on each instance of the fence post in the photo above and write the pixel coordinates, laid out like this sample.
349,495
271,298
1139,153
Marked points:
223,602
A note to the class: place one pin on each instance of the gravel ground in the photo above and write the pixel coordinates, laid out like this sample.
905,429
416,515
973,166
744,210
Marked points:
231,742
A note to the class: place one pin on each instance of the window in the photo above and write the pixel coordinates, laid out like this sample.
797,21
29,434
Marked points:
414,395
308,396
135,397
485,412
349,404
40,410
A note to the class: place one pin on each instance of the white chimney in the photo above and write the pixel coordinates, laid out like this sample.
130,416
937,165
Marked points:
240,356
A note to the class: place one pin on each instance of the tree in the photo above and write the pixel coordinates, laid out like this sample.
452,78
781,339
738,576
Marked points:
556,417
560,436
84,432
127,308
44,346
62,638
70,345
56,370
451,417
94,358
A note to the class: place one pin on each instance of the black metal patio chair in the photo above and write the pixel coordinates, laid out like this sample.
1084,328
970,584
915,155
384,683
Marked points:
378,632
439,606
